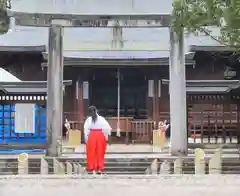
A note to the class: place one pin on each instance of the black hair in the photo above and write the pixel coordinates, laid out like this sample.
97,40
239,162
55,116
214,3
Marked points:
92,110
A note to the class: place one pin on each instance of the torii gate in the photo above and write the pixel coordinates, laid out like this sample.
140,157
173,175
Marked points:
56,22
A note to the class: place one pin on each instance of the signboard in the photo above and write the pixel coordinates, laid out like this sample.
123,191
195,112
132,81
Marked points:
159,88
85,90
150,88
25,118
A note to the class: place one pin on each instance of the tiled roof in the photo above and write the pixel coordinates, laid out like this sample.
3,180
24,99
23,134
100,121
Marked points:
77,39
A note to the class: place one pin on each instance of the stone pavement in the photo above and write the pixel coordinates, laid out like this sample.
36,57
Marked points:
119,148
135,148
187,185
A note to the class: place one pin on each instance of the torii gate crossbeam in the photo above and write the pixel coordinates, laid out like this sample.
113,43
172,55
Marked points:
56,22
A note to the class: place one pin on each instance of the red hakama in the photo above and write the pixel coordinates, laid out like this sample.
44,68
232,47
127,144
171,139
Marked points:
96,148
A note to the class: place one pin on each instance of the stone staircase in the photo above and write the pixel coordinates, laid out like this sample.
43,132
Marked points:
125,166
113,166
229,166
137,166
122,164
143,166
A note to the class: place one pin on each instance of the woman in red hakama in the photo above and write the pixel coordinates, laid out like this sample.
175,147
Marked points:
96,130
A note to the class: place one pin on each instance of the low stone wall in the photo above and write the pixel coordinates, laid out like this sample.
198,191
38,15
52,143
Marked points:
187,185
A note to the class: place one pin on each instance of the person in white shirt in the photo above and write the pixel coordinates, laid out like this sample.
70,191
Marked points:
96,131
67,127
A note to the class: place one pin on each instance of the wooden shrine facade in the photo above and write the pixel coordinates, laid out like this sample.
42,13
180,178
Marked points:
144,96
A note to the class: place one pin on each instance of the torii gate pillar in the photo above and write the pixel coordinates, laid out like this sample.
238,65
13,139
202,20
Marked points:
177,89
55,90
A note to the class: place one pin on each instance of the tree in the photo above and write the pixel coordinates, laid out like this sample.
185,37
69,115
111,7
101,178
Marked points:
4,19
196,15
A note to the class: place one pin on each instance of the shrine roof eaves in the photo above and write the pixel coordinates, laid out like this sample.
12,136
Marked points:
24,87
209,86
40,48
204,83
209,48
24,90
119,58
36,84
113,54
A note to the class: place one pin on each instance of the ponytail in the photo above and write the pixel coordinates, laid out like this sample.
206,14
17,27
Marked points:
94,117
93,113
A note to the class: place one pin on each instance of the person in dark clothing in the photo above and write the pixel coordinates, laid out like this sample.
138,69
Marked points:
168,130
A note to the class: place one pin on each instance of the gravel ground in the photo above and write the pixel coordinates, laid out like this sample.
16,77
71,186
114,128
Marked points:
119,185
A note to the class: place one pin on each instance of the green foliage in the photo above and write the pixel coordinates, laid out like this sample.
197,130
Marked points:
195,15
4,19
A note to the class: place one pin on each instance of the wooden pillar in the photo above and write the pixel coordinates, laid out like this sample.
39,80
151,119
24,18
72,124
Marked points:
54,89
238,122
78,101
85,91
150,96
156,100
154,96
81,96
225,109
159,90
75,102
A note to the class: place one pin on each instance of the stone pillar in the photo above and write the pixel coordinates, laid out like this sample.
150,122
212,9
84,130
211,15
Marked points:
12,24
55,89
199,161
177,87
215,162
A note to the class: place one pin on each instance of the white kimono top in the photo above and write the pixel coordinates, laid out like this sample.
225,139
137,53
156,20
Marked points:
100,123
